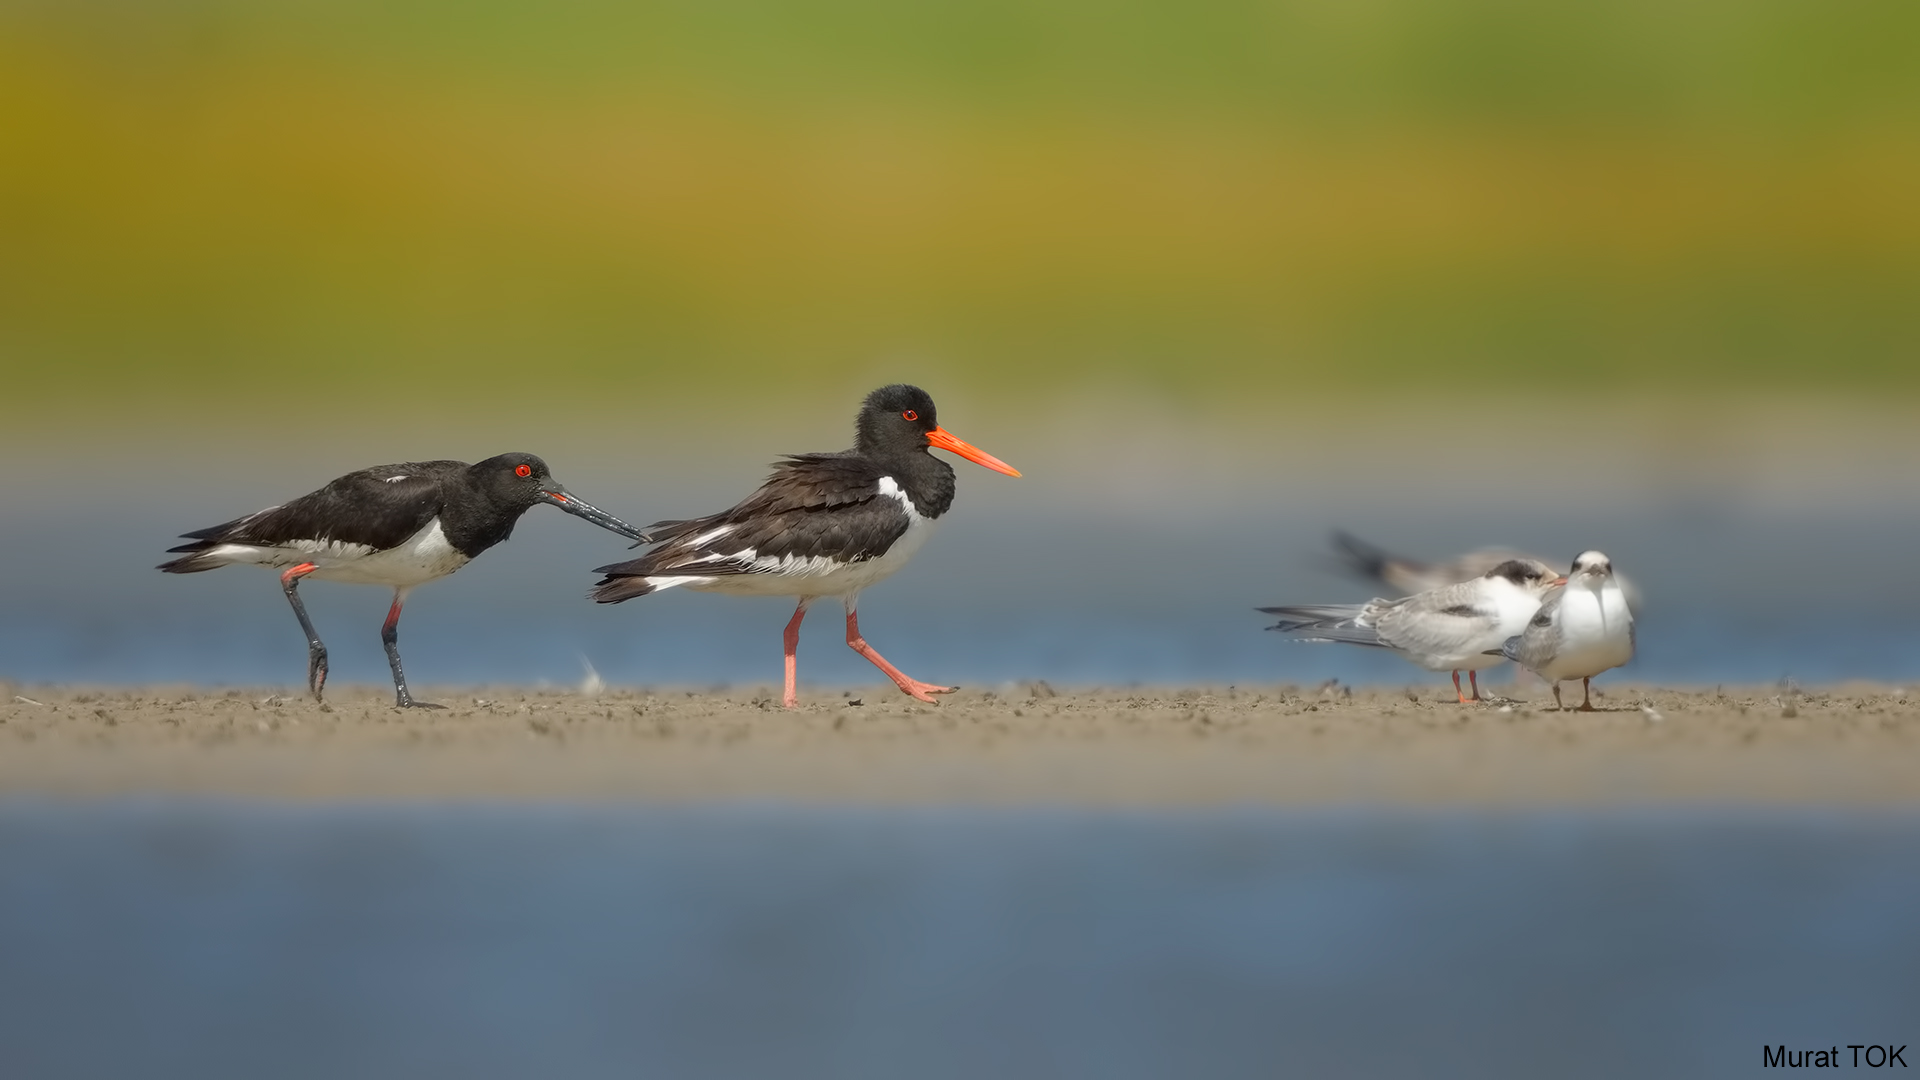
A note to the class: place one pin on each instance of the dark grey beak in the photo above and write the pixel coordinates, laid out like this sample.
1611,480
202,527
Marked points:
578,507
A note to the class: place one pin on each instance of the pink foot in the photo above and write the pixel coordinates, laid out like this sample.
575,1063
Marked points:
911,687
924,691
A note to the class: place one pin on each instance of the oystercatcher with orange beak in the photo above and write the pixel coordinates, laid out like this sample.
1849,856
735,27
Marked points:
823,525
395,525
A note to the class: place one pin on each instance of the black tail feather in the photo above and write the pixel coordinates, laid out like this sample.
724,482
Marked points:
195,563
202,540
614,588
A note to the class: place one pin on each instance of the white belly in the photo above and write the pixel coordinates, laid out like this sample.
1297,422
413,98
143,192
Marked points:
420,558
1596,634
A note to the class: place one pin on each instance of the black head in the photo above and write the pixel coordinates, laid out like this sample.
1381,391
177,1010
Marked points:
519,482
1526,573
515,480
894,419
898,420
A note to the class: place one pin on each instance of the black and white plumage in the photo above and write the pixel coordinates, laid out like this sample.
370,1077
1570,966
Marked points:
823,525
1583,628
400,526
1449,628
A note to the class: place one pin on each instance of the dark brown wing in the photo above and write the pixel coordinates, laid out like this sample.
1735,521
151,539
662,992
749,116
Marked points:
814,505
379,507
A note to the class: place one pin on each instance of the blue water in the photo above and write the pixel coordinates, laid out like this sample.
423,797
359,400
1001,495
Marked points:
216,939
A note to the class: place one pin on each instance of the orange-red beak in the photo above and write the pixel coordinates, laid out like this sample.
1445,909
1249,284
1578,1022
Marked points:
939,438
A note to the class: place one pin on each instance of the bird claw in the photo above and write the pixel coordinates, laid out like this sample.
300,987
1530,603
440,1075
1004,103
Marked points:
918,690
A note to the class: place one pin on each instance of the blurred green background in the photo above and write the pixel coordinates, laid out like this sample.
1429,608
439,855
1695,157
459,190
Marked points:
206,206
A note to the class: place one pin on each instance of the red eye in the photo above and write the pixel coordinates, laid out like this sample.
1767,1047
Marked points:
523,470
909,415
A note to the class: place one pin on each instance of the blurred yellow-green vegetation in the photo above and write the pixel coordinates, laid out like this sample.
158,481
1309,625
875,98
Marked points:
206,203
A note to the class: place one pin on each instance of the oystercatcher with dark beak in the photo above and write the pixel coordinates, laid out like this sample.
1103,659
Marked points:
395,525
823,525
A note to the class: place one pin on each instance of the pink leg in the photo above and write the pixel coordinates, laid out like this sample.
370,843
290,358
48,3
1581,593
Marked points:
1474,678
1456,687
911,687
791,639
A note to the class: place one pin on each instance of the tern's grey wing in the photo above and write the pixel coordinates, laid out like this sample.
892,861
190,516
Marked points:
1297,615
1347,634
1453,632
1327,622
1448,621
1539,643
1447,597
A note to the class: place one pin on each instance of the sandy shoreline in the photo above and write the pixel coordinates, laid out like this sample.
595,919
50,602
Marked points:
1281,745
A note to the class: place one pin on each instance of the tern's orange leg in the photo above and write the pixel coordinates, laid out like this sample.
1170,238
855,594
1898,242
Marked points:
791,640
1474,678
1456,687
911,687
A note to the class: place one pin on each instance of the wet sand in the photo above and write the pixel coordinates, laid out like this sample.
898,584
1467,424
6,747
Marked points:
1028,744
